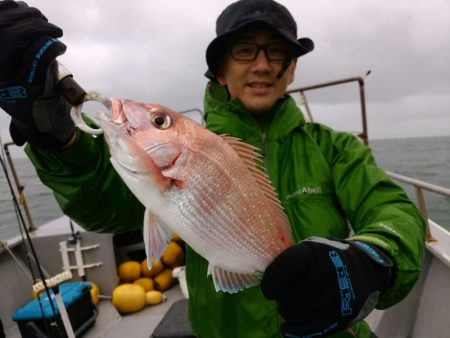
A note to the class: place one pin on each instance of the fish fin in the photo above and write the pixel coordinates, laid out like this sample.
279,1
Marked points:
252,158
233,282
156,237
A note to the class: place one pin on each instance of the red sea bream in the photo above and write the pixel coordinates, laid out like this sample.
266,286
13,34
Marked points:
209,189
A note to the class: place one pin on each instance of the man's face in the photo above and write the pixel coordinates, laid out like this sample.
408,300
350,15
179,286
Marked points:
255,82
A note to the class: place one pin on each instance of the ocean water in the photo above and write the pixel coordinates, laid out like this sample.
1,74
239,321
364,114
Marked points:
41,203
426,159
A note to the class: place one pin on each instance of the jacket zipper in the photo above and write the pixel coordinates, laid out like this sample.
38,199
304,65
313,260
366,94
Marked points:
265,148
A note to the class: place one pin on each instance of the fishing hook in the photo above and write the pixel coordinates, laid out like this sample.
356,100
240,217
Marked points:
77,118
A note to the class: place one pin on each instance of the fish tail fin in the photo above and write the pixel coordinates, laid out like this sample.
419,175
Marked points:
156,237
233,282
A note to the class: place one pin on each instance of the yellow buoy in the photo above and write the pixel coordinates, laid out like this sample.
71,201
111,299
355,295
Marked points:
177,238
157,267
154,297
164,280
129,271
173,256
128,298
145,282
95,293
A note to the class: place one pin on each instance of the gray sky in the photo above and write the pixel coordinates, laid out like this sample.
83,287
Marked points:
154,51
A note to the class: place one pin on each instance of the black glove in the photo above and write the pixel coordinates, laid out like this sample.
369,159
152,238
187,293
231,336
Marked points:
323,286
28,48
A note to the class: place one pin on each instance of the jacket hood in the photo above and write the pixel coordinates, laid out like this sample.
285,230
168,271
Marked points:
225,116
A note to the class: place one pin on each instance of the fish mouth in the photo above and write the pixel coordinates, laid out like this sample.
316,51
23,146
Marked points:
125,152
118,115
111,124
113,133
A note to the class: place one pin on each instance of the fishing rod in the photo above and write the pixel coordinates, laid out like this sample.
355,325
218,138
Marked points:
23,229
20,187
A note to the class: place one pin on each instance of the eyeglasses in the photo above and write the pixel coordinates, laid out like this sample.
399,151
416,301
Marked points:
246,51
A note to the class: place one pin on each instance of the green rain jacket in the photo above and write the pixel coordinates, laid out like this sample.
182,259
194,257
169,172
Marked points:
327,181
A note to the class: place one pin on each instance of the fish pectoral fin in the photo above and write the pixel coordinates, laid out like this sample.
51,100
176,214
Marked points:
233,282
156,237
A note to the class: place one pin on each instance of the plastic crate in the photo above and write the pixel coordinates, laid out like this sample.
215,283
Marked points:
35,318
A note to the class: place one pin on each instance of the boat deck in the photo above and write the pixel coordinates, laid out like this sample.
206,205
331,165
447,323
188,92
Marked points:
111,324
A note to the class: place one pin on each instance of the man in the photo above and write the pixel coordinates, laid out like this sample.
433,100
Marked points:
327,181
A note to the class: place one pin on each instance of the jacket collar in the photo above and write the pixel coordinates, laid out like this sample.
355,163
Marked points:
286,115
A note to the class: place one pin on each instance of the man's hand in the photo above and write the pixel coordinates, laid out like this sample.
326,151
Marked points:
28,48
323,286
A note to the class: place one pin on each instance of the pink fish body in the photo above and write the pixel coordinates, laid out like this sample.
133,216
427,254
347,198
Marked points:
209,189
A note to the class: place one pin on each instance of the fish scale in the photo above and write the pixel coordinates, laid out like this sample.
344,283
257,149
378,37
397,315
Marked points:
258,250
198,183
214,234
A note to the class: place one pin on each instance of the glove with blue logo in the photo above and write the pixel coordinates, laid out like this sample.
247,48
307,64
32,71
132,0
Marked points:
323,286
29,47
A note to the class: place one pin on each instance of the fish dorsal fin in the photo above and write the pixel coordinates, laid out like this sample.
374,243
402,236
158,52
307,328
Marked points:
252,158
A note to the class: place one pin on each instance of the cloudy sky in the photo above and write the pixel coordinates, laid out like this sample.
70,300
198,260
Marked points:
153,51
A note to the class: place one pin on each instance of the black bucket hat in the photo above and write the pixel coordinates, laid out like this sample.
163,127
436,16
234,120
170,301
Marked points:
243,13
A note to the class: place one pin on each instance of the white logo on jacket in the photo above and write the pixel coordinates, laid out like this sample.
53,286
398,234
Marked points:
304,191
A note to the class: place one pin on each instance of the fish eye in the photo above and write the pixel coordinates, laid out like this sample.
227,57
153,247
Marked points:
161,121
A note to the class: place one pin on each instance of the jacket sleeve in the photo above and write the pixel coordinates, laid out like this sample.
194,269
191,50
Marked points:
378,210
86,186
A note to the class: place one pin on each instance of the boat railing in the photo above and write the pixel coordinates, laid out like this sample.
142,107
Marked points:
419,188
363,135
194,110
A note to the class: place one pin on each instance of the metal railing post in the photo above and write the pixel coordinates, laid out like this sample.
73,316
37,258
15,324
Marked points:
20,187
